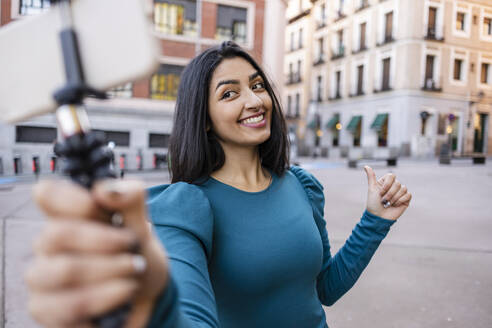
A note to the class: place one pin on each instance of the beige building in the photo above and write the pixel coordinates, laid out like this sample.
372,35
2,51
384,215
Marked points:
298,65
399,77
138,118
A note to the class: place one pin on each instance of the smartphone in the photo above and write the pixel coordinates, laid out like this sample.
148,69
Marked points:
115,42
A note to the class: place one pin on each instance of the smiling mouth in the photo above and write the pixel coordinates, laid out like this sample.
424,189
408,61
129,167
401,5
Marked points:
254,119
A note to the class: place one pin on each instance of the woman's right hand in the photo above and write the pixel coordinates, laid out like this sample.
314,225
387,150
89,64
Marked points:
83,266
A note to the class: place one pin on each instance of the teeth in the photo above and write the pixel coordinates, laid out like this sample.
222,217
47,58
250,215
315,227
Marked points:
253,120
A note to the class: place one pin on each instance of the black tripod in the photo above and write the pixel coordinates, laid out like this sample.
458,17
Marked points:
86,160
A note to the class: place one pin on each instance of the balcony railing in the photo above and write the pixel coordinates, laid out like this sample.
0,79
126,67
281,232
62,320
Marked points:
363,5
361,49
336,96
321,24
338,53
340,15
320,60
430,84
357,93
293,78
432,34
387,39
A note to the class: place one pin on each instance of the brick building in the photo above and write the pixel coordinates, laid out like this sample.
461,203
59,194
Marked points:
138,117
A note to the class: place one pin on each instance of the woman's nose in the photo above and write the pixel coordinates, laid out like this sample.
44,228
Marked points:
253,101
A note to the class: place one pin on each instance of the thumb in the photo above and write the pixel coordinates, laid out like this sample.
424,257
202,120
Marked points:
371,176
126,198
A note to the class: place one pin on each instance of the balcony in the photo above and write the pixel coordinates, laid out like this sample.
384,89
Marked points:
387,39
431,34
293,78
361,49
363,5
431,85
336,97
340,15
320,60
321,24
357,94
384,88
338,53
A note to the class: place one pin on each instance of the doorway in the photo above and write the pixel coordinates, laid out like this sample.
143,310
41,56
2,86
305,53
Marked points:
479,134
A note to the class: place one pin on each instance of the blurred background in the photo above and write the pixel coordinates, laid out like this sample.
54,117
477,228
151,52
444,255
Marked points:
402,85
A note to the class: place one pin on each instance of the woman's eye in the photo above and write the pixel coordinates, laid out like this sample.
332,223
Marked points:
258,85
227,94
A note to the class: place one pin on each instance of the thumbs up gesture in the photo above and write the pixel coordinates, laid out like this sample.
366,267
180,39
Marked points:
386,196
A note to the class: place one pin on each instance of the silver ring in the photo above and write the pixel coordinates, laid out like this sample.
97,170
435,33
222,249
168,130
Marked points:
386,204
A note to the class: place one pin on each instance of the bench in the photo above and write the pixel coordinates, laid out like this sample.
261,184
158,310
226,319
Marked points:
476,158
391,161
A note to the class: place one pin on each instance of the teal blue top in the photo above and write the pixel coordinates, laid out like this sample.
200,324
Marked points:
254,259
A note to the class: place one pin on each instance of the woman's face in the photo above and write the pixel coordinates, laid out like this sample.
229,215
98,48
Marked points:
240,108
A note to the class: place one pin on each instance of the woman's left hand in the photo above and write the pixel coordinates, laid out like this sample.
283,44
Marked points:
387,188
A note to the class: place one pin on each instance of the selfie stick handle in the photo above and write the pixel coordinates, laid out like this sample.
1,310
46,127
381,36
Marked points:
86,158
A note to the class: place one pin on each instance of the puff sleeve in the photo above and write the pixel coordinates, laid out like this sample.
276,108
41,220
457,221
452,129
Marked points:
182,219
340,272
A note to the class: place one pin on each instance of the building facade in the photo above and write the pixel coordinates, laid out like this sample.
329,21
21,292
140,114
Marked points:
400,77
138,117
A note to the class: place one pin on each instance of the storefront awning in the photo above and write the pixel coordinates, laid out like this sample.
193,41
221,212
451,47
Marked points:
354,122
312,124
379,122
333,122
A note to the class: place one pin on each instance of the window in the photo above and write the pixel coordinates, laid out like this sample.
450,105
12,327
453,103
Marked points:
31,7
120,138
231,23
122,91
291,41
318,94
35,134
487,26
157,140
360,79
457,69
289,106
340,41
431,23
298,70
460,21
300,37
176,17
164,84
321,48
298,100
386,74
338,76
323,14
429,72
362,40
388,31
484,76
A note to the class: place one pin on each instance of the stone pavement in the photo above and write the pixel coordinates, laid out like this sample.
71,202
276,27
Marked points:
433,270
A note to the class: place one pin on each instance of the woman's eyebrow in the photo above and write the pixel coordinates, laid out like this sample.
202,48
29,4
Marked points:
226,82
253,76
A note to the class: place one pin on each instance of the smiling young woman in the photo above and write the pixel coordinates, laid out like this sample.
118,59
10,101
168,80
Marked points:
245,236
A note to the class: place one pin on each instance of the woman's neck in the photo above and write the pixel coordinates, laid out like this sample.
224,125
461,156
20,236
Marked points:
242,169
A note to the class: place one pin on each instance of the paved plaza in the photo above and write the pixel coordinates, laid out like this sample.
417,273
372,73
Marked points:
433,270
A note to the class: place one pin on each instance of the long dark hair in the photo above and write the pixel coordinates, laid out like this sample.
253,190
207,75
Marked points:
195,152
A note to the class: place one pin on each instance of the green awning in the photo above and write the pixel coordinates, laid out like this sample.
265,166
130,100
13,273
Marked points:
312,125
354,122
333,122
379,122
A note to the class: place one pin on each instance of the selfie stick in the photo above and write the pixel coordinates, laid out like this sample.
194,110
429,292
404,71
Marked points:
86,159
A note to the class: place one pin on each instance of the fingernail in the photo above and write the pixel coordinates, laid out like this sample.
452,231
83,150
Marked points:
139,263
